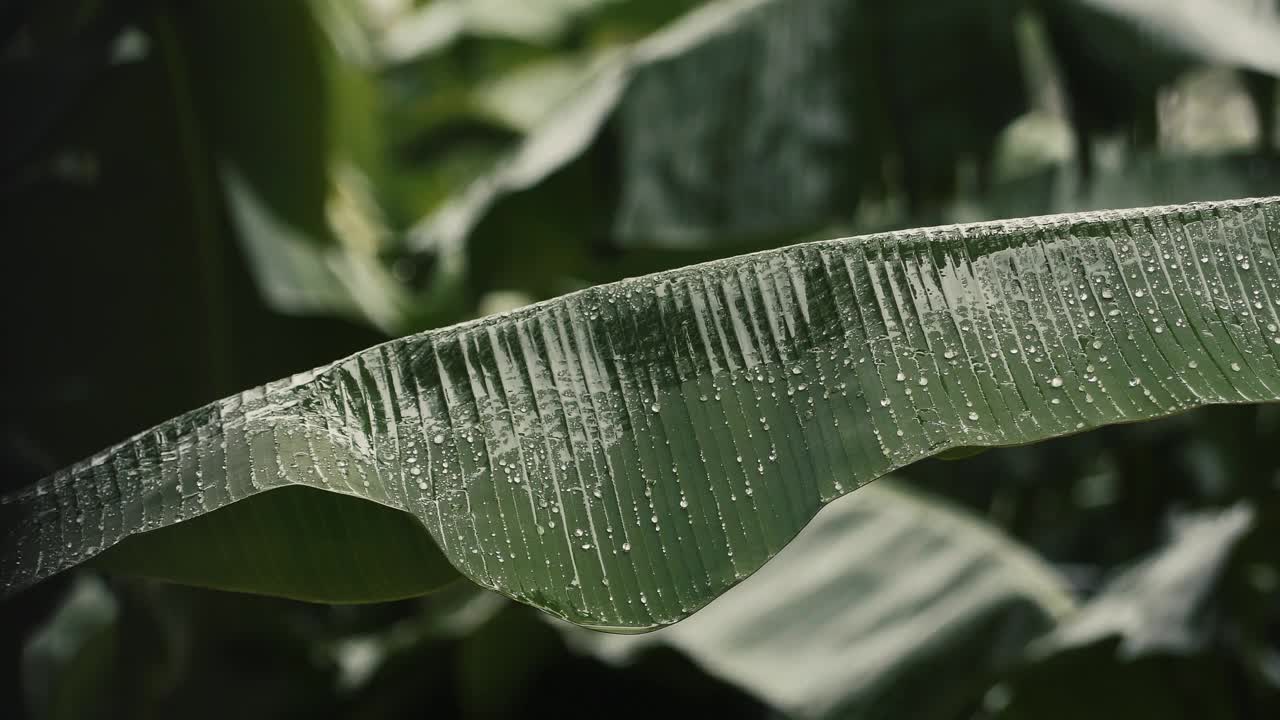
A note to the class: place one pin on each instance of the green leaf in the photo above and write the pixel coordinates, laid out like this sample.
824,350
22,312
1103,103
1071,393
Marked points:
680,141
523,98
960,453
1240,33
856,615
570,131
437,26
622,455
1158,606
1151,627
297,193
66,665
743,130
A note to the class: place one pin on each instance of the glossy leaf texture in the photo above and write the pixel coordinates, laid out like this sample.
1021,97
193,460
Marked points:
622,455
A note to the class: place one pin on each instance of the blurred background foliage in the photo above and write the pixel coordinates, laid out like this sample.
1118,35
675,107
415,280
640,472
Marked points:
203,195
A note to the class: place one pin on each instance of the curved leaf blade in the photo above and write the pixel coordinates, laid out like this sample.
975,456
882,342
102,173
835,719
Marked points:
622,455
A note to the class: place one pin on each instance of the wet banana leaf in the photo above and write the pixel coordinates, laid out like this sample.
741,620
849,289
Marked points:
622,455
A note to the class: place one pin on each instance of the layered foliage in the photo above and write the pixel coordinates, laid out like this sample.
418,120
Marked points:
357,172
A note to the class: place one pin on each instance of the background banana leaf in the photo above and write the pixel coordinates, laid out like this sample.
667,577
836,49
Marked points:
864,607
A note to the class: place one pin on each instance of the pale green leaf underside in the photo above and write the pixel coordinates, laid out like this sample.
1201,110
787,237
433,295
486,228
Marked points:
622,455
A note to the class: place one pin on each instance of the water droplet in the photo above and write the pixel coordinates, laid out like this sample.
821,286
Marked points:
901,377
654,407
885,402
626,547
973,416
924,381
438,439
1235,367
1193,364
950,354
1056,382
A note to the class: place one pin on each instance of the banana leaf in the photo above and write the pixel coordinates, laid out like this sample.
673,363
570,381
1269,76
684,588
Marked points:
622,455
